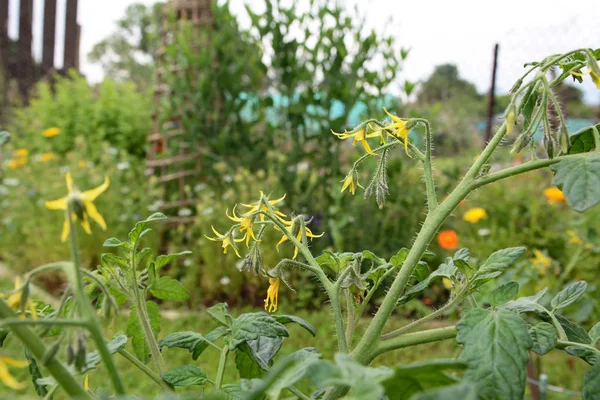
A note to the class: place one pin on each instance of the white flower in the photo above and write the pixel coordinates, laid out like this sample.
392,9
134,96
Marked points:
199,187
483,232
184,212
225,281
207,211
112,151
188,262
11,182
123,165
3,190
228,178
63,170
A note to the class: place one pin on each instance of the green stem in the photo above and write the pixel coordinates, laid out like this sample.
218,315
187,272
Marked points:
413,339
141,366
51,392
351,324
429,182
516,170
298,393
443,310
88,311
36,346
572,263
562,335
10,322
221,370
370,293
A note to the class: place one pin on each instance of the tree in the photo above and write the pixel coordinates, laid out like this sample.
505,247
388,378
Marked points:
128,53
445,83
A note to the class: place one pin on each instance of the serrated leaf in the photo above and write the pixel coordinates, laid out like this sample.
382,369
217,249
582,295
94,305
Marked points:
462,391
194,342
135,330
163,260
399,258
527,304
297,366
594,333
251,326
411,379
286,319
445,270
495,347
501,259
247,367
503,293
113,242
264,349
93,359
569,295
36,374
167,288
588,355
591,383
544,338
579,178
463,254
220,313
575,333
186,375
112,260
582,141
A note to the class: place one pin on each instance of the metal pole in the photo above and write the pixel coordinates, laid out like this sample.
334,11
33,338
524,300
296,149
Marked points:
492,98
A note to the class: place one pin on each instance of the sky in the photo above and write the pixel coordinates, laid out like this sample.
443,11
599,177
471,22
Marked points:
462,32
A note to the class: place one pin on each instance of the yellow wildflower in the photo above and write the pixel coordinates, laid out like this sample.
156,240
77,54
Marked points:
5,375
398,127
272,294
15,299
245,225
47,157
574,237
554,195
81,164
541,261
21,153
593,75
82,206
51,132
359,136
17,162
351,183
284,238
474,215
227,240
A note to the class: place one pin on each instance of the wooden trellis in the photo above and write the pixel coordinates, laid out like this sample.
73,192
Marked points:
169,153
16,57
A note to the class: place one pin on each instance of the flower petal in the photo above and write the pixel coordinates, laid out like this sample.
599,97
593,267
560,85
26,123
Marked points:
85,223
93,213
60,204
92,194
69,180
8,379
66,230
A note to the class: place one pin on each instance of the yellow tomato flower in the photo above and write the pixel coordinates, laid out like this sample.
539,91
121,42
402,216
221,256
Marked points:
259,206
47,157
21,153
398,127
51,132
554,195
593,75
14,300
284,238
447,283
541,261
245,225
359,136
474,215
227,240
350,183
5,375
82,206
272,294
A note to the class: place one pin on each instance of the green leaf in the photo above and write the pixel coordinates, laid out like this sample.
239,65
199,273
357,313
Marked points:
591,383
167,288
529,106
138,230
194,342
264,349
163,260
495,347
4,138
410,379
583,141
399,258
569,295
527,304
544,338
286,319
575,333
445,270
251,326
579,177
135,330
93,359
246,365
35,373
463,254
186,375
113,242
504,293
594,333
220,313
588,355
462,391
501,259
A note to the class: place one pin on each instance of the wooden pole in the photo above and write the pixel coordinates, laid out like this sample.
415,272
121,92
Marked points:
49,40
70,51
24,71
492,98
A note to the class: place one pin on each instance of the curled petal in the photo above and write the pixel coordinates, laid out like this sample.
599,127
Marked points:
60,204
93,213
92,194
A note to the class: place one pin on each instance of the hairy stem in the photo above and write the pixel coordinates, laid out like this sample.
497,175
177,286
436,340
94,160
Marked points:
221,370
413,339
141,366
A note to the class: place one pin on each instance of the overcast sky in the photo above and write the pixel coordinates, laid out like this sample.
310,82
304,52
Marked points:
438,31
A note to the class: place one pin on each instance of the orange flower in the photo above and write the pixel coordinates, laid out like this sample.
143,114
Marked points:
554,195
448,239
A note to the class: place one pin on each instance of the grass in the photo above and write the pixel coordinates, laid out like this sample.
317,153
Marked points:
563,371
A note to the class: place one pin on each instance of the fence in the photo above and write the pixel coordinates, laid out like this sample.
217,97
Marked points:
17,63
